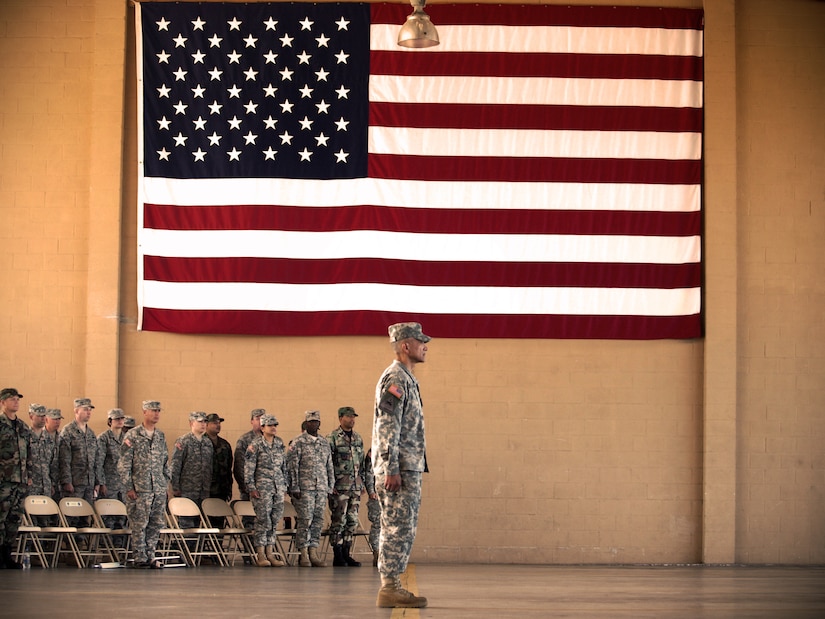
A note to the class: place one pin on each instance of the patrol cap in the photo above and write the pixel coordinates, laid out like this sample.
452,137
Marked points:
197,416
268,420
129,422
37,409
9,392
83,402
151,405
116,413
348,411
312,416
403,330
213,417
257,412
54,413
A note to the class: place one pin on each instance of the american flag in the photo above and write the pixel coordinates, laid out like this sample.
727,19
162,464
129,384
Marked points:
537,175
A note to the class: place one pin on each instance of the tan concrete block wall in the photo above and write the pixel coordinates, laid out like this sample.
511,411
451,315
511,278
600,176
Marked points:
781,504
540,451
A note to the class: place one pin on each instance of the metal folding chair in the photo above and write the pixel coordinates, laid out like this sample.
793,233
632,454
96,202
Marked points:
201,540
59,538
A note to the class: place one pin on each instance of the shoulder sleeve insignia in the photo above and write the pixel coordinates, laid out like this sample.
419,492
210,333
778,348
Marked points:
396,391
178,446
127,442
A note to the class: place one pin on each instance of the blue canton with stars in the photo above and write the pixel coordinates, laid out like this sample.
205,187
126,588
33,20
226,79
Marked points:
255,90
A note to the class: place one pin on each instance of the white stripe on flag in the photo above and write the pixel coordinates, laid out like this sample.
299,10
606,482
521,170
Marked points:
425,299
549,39
428,247
526,143
423,194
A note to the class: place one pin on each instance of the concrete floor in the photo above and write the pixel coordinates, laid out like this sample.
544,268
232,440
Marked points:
454,592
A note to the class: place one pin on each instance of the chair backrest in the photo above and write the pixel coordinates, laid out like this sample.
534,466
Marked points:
40,505
243,508
76,507
180,506
217,508
110,507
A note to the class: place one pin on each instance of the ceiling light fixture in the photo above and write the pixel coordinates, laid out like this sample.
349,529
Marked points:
418,30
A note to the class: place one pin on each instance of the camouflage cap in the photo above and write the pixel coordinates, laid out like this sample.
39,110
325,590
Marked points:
9,392
312,416
83,403
37,409
403,330
347,410
151,405
197,416
257,412
268,420
54,413
213,417
116,413
129,422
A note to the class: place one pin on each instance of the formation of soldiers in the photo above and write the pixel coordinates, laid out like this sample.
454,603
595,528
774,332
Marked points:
131,462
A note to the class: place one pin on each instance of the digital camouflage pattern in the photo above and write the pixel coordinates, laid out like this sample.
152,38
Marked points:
78,458
398,448
45,468
192,467
309,463
144,468
265,472
108,454
15,473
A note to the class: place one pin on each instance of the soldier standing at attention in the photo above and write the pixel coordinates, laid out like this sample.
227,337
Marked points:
78,457
192,465
240,450
310,482
144,473
108,453
53,419
265,477
347,449
221,486
15,473
399,455
42,453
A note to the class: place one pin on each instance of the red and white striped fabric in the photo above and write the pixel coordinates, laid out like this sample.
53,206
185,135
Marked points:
536,175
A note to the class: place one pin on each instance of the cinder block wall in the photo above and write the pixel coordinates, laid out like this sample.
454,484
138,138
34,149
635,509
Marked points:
540,451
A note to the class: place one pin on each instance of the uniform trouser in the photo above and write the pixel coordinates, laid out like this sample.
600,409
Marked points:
12,494
374,515
343,508
268,512
146,519
310,510
399,522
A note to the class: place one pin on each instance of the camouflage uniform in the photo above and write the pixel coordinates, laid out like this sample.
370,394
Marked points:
192,467
309,462
108,454
15,474
45,469
144,468
398,447
78,461
265,471
373,505
348,465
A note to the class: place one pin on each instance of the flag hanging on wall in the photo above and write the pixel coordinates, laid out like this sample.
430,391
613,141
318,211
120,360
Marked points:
536,175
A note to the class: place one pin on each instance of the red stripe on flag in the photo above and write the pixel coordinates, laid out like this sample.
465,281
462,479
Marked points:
251,322
408,272
546,117
422,220
533,169
492,64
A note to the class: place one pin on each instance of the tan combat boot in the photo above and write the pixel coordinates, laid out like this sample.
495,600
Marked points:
261,560
304,560
273,559
392,595
315,559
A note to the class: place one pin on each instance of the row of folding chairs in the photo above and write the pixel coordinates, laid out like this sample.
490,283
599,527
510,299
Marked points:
46,533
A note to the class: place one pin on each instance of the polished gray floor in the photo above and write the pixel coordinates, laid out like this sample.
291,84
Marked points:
454,591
